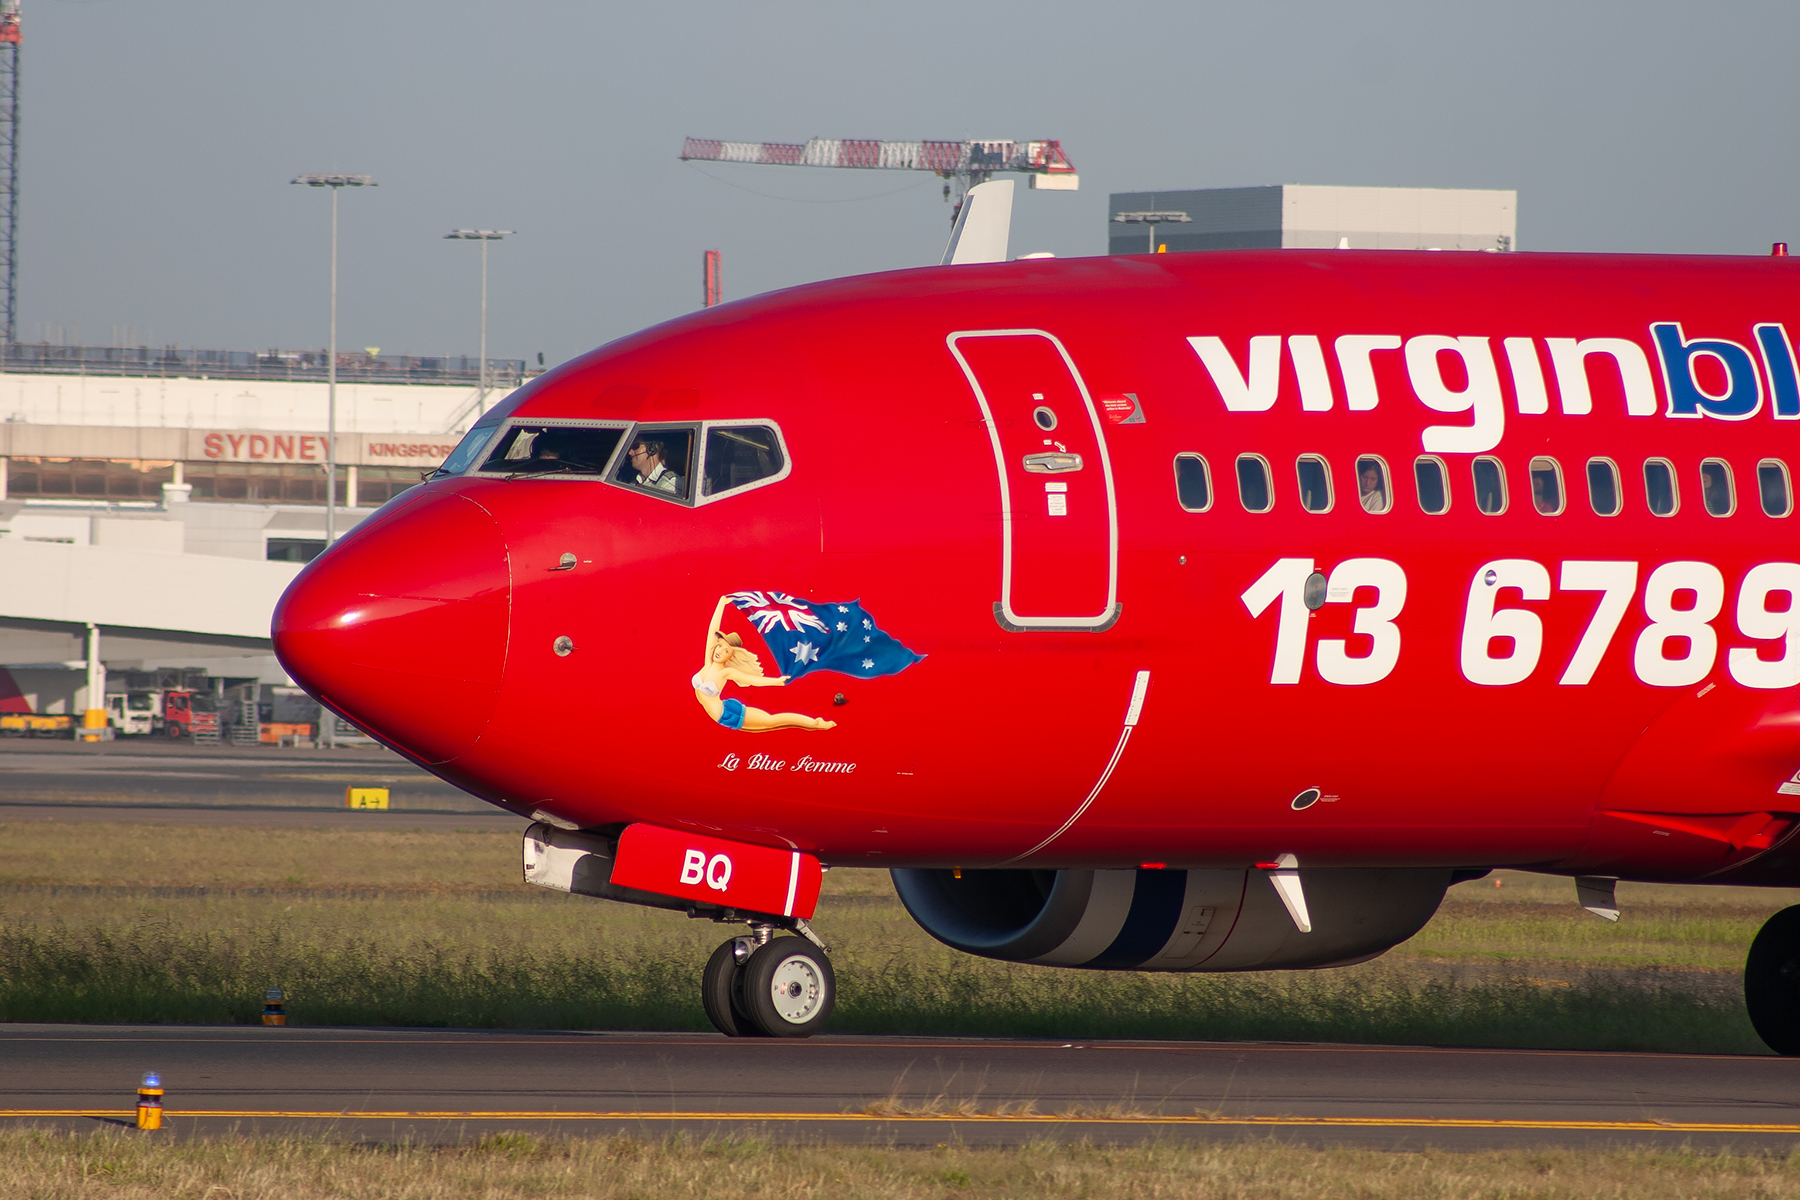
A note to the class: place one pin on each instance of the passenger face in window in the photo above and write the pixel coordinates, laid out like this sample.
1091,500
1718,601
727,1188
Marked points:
1546,490
1372,489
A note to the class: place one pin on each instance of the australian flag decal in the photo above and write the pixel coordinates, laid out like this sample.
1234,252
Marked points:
810,635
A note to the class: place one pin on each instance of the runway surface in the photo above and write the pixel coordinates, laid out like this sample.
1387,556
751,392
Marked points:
439,1085
146,780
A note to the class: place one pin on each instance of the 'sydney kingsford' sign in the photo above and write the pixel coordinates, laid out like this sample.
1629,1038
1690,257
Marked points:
368,449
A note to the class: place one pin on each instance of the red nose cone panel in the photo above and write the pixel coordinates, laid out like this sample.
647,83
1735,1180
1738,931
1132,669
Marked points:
402,628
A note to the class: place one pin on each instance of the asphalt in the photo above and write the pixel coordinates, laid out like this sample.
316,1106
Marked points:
437,1085
145,780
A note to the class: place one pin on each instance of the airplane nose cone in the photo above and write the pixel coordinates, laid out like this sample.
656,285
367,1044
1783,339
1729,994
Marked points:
402,627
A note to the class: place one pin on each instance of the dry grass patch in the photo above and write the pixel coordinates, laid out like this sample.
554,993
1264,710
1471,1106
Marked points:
521,1166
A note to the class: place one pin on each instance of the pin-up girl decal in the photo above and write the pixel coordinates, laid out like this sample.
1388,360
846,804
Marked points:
728,661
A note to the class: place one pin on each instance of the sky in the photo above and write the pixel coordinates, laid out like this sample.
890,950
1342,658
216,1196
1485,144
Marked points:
158,141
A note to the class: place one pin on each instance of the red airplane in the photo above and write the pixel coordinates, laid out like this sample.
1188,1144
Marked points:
1189,612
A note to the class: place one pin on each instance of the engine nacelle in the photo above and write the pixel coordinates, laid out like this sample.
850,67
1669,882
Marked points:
1158,920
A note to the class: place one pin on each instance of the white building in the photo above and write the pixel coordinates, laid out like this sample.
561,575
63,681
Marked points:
155,504
1288,216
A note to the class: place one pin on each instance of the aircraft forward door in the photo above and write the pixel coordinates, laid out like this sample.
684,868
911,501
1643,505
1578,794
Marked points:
1059,565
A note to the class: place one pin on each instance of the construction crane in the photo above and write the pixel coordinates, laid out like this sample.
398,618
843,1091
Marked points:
9,170
962,164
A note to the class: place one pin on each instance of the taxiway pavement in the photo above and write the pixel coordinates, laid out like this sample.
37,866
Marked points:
439,1085
156,781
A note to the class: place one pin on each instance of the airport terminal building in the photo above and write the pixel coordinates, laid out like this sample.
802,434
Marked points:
155,502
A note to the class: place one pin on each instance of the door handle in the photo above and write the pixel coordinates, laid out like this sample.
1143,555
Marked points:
1052,464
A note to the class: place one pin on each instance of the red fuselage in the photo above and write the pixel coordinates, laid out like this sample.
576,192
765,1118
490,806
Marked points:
1619,699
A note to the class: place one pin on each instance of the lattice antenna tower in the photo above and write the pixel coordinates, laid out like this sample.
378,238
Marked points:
9,169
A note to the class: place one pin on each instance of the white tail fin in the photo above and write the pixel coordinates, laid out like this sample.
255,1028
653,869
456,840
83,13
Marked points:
984,225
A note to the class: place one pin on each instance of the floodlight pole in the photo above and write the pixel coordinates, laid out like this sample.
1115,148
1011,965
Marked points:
481,365
331,391
328,719
334,182
484,236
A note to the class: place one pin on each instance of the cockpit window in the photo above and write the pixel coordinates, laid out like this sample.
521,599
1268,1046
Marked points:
469,449
533,450
699,462
739,455
658,459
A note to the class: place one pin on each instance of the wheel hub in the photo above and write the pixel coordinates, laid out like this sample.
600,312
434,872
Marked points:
796,990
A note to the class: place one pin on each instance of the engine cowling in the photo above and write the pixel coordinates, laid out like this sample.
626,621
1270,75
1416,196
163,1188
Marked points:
1160,920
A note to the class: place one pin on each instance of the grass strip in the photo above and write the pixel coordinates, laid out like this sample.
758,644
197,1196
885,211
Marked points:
154,972
120,1165
148,923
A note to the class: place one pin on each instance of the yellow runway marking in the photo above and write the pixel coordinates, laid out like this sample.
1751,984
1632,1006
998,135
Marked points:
1493,1123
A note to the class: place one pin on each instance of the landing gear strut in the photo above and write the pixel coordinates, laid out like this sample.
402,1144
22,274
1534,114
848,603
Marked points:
763,986
1772,982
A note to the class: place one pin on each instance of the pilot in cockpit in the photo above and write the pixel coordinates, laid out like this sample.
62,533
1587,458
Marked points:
648,457
547,449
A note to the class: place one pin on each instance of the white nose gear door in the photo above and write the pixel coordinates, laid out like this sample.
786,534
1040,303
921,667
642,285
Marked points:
1059,566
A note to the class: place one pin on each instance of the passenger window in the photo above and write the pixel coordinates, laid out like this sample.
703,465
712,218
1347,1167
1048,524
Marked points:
1433,484
551,450
1372,484
1193,483
1659,487
1315,483
1603,486
1776,488
1546,486
1716,490
1490,486
739,455
1253,483
657,459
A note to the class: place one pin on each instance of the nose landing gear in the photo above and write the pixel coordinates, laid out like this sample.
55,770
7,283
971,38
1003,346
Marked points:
764,986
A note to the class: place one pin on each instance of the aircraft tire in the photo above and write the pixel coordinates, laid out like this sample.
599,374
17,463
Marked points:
722,993
1772,982
789,988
